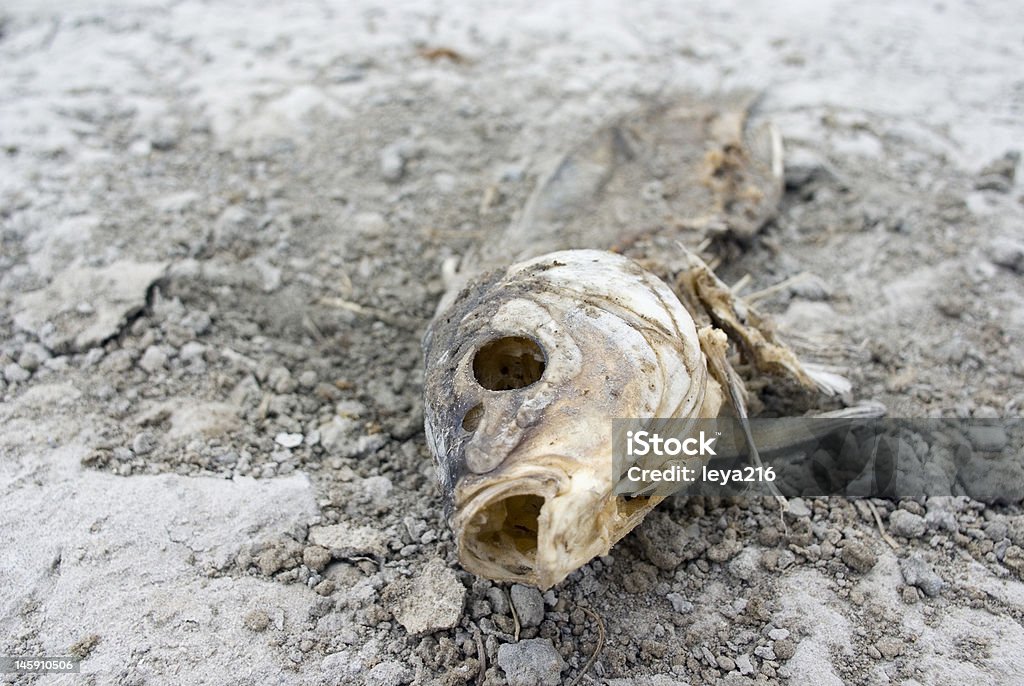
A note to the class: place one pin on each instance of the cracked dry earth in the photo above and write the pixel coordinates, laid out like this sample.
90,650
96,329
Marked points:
223,227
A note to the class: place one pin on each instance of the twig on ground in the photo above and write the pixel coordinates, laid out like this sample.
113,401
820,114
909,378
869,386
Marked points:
481,657
744,281
597,649
881,529
515,615
780,286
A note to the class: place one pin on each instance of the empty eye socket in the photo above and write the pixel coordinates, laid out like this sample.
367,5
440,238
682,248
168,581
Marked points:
471,420
508,363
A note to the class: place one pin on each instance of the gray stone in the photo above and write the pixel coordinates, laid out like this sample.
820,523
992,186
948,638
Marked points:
32,356
1008,253
941,520
340,437
393,159
889,647
499,602
288,440
154,359
858,557
744,665
1013,558
667,544
529,605
280,379
15,373
234,223
917,572
680,604
432,601
797,507
389,673
997,529
990,438
338,667
804,166
784,649
256,620
999,174
346,540
191,351
337,433
745,564
143,443
197,321
906,524
377,489
115,292
316,557
1015,530
209,420
534,662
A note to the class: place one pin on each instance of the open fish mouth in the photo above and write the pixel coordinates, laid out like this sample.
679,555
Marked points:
537,526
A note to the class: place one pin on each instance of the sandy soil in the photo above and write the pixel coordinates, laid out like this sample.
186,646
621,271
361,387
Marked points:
223,227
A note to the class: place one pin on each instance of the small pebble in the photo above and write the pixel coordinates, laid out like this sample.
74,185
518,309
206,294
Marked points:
784,649
32,356
533,662
889,647
529,605
388,673
797,507
858,557
906,524
680,604
499,603
316,557
1008,253
15,373
143,443
288,440
154,359
256,620
917,572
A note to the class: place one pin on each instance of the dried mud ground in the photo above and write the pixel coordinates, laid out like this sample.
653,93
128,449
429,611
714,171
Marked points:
223,227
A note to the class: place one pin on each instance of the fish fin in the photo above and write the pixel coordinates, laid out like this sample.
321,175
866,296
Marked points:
752,333
736,391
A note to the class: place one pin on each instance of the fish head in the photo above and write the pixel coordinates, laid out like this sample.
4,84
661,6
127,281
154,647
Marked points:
525,373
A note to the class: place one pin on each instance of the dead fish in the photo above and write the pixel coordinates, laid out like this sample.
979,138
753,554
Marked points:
528,363
524,372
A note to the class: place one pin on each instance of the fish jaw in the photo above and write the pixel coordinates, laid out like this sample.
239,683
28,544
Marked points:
541,524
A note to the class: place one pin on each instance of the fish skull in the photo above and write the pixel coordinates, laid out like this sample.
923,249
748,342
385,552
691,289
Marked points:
526,369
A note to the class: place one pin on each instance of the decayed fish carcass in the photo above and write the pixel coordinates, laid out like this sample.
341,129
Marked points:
528,363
